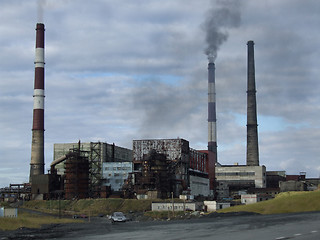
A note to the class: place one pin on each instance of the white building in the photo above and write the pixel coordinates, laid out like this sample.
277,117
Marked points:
247,176
194,206
8,212
254,198
214,205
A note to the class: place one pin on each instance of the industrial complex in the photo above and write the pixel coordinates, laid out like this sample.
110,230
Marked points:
153,168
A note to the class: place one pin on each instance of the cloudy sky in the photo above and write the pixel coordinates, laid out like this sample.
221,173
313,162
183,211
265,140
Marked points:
123,70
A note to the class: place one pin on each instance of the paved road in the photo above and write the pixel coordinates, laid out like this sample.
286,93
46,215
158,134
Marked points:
289,226
299,226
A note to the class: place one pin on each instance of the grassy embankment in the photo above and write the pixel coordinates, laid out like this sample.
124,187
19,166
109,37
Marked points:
30,221
90,206
287,202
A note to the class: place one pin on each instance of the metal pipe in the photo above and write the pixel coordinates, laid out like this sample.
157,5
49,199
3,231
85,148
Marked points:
58,160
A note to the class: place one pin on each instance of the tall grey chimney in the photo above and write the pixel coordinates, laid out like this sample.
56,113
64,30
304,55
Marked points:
252,126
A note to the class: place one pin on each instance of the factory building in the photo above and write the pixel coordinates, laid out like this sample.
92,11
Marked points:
154,167
233,178
168,166
100,156
98,152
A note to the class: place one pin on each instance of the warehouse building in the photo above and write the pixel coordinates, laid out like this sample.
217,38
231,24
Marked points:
232,178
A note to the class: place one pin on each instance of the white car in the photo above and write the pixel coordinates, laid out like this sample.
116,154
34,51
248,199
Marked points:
118,217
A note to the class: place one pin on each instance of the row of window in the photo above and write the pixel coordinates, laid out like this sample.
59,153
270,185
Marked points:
236,174
118,168
118,175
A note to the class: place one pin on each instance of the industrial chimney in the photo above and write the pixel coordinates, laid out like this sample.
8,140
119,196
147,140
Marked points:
212,126
252,126
37,148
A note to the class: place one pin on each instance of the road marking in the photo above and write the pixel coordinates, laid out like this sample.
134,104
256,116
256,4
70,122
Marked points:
314,231
297,234
280,238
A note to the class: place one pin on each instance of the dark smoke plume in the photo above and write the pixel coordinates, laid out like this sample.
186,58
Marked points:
223,15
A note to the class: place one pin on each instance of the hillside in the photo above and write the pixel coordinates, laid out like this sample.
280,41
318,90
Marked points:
93,207
287,202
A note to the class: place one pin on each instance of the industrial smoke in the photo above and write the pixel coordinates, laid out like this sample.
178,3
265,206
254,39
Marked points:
218,20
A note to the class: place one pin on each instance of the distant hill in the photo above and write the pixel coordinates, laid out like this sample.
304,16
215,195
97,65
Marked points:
287,202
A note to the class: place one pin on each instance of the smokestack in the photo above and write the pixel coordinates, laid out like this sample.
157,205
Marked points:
37,148
212,126
252,126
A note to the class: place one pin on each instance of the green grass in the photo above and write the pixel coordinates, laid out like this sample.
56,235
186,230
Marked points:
31,221
288,202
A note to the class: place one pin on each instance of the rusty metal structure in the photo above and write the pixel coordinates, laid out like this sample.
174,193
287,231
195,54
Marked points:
177,155
164,166
95,166
16,191
199,160
156,175
76,175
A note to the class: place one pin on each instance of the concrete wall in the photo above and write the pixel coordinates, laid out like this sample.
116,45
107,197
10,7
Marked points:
242,175
196,206
253,198
8,212
292,186
40,184
199,186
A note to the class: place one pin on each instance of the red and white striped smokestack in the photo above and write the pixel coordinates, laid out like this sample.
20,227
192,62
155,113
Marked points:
37,148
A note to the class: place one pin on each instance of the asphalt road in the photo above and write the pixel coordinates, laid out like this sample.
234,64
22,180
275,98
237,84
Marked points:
300,226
